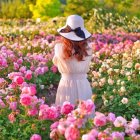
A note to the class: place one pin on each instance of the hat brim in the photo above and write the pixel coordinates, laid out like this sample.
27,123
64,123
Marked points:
72,36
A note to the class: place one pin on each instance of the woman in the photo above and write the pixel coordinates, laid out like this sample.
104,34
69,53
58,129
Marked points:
72,57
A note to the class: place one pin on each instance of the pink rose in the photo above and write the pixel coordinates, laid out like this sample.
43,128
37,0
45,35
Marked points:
88,137
11,118
51,113
16,66
32,111
103,136
28,75
72,133
100,120
117,136
54,69
66,108
86,107
36,137
62,127
54,125
2,104
120,121
18,80
134,124
31,90
111,117
22,69
20,61
25,99
13,105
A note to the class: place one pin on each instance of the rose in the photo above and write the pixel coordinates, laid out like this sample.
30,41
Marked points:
66,108
13,105
134,124
54,69
99,119
31,90
120,121
18,80
32,111
11,118
124,100
25,99
86,107
72,133
35,137
117,136
111,117
28,75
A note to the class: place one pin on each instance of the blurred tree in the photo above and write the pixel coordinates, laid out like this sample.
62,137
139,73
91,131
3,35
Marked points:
78,6
45,9
15,9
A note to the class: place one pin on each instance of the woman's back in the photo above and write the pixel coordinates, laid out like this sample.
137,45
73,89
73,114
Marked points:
71,65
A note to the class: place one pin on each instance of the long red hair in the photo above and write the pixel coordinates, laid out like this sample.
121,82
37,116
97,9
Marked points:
79,47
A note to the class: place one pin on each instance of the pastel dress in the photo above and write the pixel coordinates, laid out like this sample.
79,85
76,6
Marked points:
73,85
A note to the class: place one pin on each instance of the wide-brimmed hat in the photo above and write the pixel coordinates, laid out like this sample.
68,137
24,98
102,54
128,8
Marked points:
74,29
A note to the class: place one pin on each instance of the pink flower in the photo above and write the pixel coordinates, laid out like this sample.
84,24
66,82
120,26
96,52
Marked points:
129,130
88,137
31,90
91,135
25,99
54,125
66,108
134,124
36,137
28,75
86,107
47,112
111,117
20,61
117,136
103,136
72,133
54,69
18,80
119,122
16,66
51,113
22,69
13,105
2,104
100,120
11,118
54,134
62,127
32,111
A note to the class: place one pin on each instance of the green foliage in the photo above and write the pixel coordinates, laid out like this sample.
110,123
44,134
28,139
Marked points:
99,20
123,7
46,9
78,6
15,9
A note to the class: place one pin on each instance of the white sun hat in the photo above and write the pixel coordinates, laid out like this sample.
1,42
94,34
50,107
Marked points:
74,29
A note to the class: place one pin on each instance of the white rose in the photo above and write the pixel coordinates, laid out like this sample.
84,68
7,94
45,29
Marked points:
124,100
110,81
122,89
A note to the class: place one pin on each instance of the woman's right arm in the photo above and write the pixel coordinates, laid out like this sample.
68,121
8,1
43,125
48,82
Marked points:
57,53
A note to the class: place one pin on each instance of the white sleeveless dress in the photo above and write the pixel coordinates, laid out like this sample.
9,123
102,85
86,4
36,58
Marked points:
73,85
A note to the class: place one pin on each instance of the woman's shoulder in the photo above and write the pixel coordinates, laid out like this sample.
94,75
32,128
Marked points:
58,48
89,47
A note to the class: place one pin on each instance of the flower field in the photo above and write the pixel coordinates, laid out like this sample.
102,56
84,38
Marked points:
27,75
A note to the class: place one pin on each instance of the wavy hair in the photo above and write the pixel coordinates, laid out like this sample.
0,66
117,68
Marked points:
78,49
